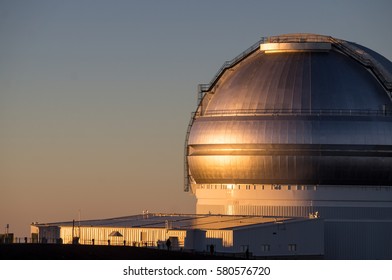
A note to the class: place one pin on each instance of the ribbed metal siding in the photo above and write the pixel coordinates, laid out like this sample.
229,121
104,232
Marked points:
358,239
130,235
221,239
380,213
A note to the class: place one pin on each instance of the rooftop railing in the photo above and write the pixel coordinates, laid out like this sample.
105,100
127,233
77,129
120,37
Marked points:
229,64
298,112
187,177
298,38
368,61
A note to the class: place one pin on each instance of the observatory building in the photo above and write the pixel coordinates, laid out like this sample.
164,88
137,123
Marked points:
299,125
289,154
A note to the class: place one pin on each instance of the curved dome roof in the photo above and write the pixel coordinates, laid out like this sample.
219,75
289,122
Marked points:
302,80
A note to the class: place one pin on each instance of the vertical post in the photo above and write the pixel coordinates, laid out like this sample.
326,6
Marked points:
73,229
79,235
6,233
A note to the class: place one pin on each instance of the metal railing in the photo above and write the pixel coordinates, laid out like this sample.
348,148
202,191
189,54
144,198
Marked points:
298,38
228,64
186,152
31,240
107,242
298,112
366,60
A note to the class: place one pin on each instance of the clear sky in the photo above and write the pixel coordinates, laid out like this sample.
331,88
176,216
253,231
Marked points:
96,96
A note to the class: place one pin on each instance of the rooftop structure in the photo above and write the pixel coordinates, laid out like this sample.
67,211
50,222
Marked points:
234,235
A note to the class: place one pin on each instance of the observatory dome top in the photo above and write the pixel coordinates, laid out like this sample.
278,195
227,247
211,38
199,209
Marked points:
304,72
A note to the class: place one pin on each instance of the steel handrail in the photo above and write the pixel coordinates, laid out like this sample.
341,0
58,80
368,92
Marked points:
230,63
298,112
367,61
187,178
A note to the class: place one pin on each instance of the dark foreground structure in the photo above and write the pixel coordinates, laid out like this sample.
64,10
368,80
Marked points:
91,252
101,252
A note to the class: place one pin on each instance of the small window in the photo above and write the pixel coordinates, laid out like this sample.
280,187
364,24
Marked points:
244,248
288,187
292,247
265,247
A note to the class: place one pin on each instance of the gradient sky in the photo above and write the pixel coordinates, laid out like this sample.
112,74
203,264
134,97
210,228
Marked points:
95,96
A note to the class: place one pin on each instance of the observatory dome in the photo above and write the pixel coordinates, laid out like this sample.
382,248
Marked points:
295,109
299,125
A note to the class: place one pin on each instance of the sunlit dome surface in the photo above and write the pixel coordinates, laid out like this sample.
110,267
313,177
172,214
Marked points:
301,109
303,80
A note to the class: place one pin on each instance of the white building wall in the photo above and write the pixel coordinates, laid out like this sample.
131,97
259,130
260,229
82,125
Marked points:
282,239
337,202
221,239
358,239
46,234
